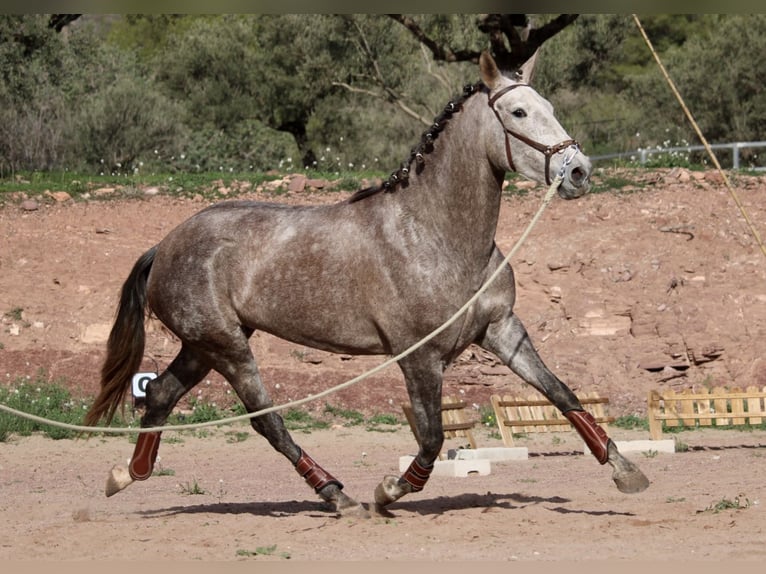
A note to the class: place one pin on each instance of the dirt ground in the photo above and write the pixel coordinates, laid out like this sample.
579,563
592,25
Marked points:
660,286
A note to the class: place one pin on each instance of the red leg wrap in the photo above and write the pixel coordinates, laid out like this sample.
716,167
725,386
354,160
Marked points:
144,455
315,475
593,435
417,476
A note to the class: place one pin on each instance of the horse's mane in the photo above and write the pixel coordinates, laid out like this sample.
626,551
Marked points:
400,177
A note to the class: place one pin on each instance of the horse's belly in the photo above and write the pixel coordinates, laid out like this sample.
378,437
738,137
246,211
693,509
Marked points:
336,334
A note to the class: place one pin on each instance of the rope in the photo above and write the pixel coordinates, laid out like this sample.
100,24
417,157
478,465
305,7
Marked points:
220,422
709,150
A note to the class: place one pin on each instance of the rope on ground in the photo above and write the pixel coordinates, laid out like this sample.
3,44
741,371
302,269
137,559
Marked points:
225,421
702,138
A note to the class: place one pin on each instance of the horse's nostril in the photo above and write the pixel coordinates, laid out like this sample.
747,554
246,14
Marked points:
577,175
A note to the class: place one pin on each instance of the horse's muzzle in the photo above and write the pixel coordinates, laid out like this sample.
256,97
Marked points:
576,181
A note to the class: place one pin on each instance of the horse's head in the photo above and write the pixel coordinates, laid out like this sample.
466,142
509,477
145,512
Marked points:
528,137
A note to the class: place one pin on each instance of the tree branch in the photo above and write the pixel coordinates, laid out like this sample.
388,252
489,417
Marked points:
59,21
387,98
442,53
504,31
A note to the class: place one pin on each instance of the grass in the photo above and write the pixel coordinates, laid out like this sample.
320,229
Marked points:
738,503
192,488
43,398
15,313
209,185
53,400
631,422
225,184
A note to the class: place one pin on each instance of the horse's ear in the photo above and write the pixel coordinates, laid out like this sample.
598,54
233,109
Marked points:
527,70
490,74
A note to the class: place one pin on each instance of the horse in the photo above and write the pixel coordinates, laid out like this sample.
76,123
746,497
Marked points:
369,275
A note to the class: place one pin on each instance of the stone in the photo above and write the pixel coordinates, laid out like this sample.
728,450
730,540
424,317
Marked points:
30,205
297,184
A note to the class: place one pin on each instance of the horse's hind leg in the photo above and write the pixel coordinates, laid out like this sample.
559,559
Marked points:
236,363
508,339
162,394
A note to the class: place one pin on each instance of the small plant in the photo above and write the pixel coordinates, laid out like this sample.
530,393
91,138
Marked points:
650,453
162,471
630,422
740,502
673,499
239,436
383,419
264,551
50,400
681,446
487,416
351,417
193,488
383,423
15,313
296,419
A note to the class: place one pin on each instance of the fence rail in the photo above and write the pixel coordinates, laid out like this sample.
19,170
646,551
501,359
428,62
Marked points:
720,407
644,154
536,414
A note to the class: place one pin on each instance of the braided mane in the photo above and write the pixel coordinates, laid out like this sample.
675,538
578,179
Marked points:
400,177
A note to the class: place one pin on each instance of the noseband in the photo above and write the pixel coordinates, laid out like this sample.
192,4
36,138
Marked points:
546,150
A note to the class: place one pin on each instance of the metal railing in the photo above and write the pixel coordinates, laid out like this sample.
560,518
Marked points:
642,155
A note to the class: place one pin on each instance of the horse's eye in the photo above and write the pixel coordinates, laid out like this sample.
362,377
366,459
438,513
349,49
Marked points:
519,113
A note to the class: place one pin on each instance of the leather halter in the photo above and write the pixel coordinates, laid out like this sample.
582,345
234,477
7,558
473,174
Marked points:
546,150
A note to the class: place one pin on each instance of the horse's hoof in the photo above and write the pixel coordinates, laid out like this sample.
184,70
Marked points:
387,491
119,479
630,482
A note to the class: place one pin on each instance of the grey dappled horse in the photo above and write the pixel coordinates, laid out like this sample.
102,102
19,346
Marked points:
369,275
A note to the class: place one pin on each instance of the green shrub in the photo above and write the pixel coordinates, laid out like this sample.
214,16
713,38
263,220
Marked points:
41,398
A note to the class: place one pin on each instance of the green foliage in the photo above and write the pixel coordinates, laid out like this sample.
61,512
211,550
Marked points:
632,422
50,400
192,488
296,419
176,93
117,125
351,417
739,502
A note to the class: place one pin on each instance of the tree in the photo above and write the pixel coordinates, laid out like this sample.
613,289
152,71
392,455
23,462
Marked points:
280,69
728,99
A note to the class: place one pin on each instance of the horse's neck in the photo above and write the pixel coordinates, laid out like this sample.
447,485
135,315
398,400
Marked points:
457,193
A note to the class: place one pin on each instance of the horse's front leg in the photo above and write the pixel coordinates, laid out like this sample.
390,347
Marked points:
424,385
508,339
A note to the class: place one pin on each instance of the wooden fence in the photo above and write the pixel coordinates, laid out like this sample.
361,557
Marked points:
536,414
719,407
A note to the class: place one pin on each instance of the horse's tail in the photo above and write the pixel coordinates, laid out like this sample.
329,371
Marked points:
125,347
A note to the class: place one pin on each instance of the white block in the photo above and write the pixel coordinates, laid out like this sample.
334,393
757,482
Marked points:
666,446
458,468
497,453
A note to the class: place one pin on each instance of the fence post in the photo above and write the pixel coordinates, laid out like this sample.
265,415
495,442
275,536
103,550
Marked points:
655,424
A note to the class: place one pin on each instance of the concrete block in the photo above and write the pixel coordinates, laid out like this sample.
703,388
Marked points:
459,468
625,446
498,453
